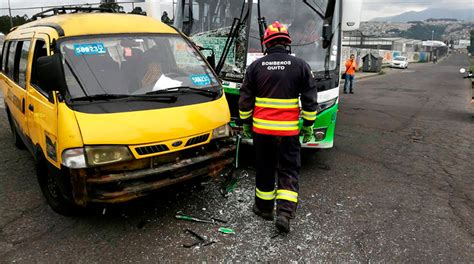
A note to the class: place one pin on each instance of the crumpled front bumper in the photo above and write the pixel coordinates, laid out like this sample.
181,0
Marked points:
130,180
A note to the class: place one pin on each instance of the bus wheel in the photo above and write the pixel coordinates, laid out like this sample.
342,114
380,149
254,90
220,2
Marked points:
53,194
15,136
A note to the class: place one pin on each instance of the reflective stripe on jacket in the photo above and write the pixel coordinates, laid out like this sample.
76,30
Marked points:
276,116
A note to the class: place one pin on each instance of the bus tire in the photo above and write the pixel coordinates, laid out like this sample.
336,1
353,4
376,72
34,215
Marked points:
51,191
15,135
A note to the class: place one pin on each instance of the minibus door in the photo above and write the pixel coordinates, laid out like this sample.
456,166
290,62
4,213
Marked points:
42,105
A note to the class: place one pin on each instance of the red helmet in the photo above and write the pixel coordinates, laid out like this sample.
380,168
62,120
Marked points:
276,31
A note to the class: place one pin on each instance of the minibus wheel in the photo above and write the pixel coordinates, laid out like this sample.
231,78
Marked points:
51,191
15,136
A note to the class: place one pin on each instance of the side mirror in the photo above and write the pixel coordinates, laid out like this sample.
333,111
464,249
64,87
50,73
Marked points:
327,35
211,59
51,73
351,10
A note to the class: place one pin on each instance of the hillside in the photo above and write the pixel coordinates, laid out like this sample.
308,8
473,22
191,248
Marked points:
459,14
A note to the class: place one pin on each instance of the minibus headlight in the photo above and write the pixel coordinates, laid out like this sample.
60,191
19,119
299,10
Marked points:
220,132
74,158
101,155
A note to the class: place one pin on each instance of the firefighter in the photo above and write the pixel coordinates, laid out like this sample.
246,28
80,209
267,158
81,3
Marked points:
269,108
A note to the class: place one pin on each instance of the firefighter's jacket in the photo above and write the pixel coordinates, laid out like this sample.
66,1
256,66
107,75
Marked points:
270,93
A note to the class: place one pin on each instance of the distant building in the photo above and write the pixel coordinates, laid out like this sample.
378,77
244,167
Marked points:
434,43
462,44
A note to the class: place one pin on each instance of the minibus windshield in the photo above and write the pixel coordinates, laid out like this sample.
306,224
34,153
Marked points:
134,65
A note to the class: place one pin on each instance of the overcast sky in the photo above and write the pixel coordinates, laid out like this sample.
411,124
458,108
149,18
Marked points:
370,9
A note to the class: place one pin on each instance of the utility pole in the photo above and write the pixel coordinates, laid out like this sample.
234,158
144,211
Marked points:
432,35
10,13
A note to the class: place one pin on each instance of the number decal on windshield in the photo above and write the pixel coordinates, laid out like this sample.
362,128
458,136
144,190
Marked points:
89,49
201,79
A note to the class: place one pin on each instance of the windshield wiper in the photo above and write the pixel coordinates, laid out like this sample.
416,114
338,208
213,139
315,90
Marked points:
207,92
106,97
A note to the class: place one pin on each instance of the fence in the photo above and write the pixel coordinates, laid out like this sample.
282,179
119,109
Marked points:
387,55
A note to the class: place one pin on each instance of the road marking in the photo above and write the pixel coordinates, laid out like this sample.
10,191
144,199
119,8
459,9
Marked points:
408,71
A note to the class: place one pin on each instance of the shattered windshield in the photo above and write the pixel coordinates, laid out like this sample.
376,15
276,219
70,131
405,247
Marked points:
132,65
208,23
305,27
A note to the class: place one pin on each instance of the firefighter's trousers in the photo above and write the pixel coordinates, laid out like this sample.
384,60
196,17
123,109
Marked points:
278,156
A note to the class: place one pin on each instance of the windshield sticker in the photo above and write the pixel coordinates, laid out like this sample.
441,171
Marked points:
200,79
89,49
127,52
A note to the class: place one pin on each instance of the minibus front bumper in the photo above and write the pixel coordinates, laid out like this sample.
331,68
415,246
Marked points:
129,180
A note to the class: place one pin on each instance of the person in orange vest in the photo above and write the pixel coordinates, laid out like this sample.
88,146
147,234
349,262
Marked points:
351,67
270,109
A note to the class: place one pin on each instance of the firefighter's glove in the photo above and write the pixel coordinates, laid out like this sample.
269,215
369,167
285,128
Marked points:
307,133
247,131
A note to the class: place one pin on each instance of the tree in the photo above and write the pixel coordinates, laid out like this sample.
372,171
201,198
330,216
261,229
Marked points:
5,22
138,11
471,47
114,6
424,32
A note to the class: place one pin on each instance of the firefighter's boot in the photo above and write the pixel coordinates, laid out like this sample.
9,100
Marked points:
265,215
283,223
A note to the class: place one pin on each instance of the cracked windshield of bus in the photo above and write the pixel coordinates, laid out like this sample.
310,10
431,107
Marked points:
305,27
208,23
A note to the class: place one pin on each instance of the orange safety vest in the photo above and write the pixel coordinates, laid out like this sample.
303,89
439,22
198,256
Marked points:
350,67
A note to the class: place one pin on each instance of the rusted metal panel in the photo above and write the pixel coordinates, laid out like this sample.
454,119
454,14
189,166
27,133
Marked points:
136,178
142,189
117,177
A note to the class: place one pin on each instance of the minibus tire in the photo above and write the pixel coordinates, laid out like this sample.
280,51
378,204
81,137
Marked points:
51,191
15,136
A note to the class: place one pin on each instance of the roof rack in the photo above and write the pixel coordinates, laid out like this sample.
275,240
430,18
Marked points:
64,10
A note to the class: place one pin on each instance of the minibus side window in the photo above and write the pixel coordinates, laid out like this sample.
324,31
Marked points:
16,64
23,63
5,56
40,51
11,59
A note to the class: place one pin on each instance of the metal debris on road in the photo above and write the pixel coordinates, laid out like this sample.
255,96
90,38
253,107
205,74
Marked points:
213,220
200,240
191,218
219,220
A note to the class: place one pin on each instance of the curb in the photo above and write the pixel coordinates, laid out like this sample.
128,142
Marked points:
362,77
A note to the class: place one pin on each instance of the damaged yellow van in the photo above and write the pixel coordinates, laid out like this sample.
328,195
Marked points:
112,106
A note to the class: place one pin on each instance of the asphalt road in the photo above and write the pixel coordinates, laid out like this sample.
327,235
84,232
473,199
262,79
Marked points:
397,187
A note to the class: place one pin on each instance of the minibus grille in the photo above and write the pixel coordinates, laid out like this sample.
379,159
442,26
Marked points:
197,140
151,149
